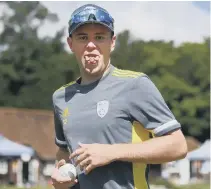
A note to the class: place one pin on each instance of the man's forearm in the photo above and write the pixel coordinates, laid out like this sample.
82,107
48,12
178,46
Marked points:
154,151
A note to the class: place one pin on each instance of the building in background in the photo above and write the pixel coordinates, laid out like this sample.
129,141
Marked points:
192,169
33,128
14,161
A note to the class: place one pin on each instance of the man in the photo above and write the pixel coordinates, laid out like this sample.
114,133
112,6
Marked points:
104,119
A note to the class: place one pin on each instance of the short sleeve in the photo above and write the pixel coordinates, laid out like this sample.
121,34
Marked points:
149,108
59,138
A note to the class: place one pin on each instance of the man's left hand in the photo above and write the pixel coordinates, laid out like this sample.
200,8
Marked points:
90,156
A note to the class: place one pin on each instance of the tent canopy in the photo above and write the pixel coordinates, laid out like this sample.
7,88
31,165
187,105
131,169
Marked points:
10,148
201,153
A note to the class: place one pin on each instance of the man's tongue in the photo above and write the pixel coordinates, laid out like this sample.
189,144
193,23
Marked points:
91,59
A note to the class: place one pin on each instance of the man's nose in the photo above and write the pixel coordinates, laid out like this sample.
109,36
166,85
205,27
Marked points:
91,45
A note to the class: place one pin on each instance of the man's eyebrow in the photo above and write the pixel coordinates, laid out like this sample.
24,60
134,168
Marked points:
101,33
78,34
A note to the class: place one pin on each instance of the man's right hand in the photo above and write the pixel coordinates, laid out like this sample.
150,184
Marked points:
60,182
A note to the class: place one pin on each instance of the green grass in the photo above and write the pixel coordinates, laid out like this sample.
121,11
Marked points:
197,186
12,187
172,186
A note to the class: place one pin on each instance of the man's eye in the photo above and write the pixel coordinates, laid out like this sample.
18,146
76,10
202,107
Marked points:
83,38
99,38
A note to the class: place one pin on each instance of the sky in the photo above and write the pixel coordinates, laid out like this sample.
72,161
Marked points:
180,21
204,5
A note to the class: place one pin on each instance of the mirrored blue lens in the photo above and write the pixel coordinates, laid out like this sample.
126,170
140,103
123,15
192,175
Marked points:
84,16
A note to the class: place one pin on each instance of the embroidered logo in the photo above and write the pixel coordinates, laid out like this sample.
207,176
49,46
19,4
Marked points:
102,108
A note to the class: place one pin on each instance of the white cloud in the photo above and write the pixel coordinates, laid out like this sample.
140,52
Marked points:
177,21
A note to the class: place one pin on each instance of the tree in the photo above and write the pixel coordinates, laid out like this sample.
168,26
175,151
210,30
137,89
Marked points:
29,63
193,66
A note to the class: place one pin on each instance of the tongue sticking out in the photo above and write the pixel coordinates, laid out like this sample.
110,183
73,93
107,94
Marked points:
91,59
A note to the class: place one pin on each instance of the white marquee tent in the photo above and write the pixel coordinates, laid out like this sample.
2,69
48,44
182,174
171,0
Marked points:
201,153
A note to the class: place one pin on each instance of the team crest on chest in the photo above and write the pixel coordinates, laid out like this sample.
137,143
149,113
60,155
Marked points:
102,108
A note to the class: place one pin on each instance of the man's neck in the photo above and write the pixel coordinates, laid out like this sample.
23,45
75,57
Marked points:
87,79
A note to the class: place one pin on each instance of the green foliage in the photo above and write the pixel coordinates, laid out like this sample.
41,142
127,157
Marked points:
31,68
29,64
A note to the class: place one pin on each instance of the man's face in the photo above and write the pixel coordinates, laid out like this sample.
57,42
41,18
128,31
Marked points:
92,45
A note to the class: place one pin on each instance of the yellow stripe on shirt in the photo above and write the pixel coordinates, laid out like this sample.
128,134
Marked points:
139,134
126,73
64,86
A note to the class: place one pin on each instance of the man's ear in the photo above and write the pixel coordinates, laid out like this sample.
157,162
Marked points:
113,43
70,43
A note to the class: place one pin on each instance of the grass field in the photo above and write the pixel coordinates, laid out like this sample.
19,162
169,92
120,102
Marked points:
197,186
194,186
172,186
10,187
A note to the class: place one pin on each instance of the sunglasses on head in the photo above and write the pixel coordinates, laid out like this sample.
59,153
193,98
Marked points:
91,15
